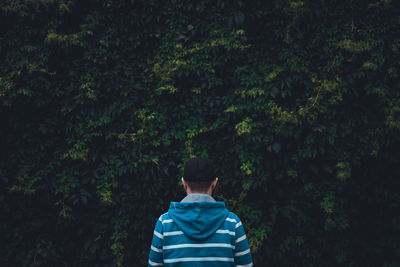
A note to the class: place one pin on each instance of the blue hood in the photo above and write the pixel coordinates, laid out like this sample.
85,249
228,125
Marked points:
198,220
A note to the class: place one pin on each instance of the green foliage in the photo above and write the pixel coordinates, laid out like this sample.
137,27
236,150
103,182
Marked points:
102,102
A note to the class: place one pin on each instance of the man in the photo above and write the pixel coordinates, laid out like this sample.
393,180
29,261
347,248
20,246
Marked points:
199,231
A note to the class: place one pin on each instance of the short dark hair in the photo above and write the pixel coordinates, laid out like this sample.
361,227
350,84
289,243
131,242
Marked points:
199,170
199,186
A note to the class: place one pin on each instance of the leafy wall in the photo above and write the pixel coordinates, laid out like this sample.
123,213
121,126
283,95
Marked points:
102,102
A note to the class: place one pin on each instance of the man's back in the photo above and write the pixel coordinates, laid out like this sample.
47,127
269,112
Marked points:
202,233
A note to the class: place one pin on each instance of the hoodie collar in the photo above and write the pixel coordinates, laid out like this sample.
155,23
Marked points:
198,220
197,197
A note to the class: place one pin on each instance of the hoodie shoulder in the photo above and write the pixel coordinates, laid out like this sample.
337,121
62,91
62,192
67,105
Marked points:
233,217
232,220
163,217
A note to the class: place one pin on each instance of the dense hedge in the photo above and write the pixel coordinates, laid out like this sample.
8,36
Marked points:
297,102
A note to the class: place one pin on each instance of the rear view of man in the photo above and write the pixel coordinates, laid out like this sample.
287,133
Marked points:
199,231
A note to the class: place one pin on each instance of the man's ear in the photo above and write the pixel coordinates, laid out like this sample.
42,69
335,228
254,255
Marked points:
214,183
184,184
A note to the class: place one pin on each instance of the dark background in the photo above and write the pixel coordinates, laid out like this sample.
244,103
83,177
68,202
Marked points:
102,103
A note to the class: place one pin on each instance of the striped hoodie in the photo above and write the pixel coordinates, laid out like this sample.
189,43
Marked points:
199,234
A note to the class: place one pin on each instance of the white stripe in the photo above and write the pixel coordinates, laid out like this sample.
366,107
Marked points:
198,259
243,237
173,233
158,234
205,245
181,233
231,220
152,263
225,232
238,224
167,221
241,253
156,249
160,218
247,265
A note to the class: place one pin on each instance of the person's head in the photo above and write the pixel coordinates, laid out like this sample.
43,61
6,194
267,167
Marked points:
199,176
